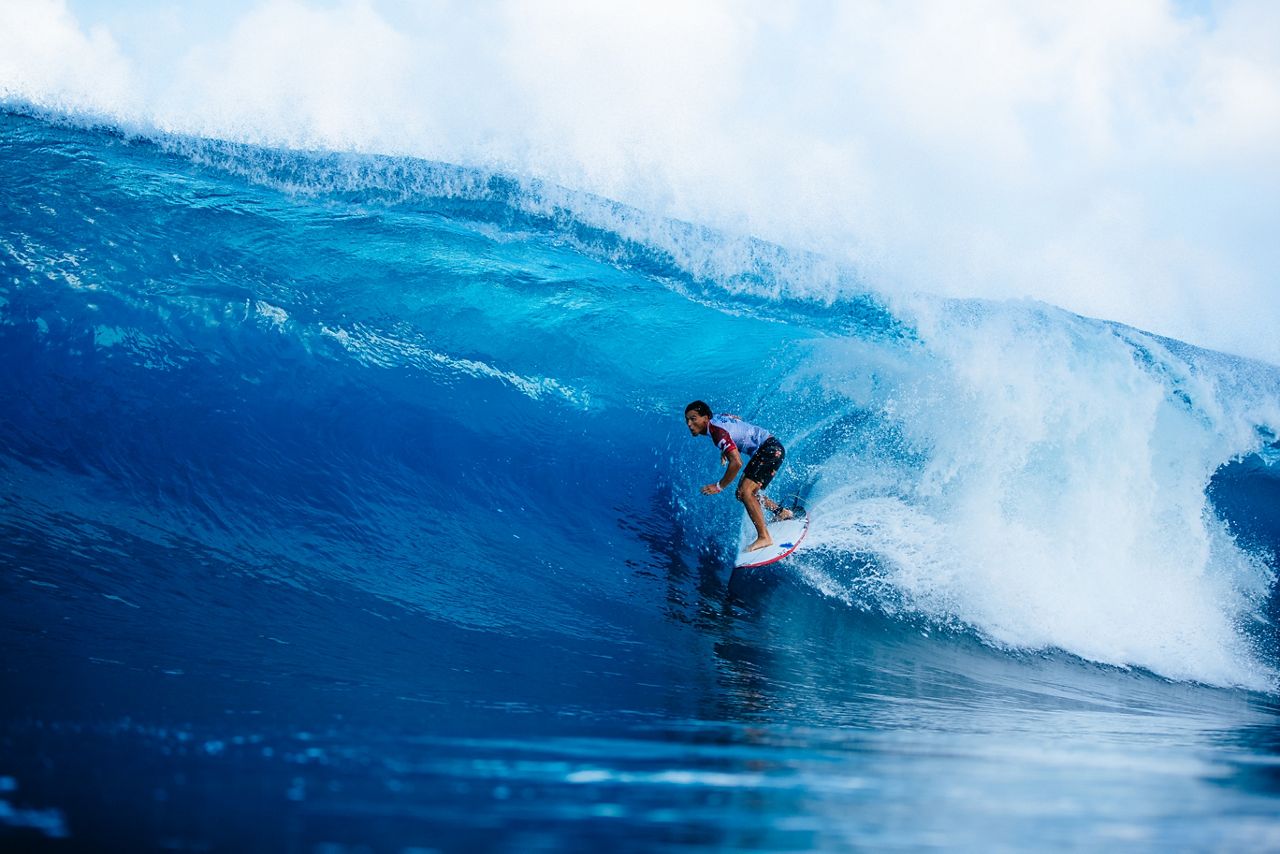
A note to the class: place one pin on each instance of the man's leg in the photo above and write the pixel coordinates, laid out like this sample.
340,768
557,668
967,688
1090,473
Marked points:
760,471
774,507
747,494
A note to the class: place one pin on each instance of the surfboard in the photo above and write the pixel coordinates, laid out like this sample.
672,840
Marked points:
786,535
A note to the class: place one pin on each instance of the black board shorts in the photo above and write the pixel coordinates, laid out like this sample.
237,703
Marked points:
765,462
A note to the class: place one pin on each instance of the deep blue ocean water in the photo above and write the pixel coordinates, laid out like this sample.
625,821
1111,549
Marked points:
346,504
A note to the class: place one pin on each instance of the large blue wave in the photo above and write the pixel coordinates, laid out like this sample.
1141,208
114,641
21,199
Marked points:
458,394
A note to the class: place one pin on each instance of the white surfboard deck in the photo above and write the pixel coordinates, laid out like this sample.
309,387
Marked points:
786,535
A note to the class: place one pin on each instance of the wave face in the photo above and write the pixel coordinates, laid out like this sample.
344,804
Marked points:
295,446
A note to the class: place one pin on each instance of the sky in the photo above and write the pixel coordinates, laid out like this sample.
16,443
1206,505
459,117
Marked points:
1121,160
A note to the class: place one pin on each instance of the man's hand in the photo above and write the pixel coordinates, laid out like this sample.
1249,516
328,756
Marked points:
734,461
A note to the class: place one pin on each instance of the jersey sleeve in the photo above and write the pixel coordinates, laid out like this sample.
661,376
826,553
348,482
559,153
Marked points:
723,440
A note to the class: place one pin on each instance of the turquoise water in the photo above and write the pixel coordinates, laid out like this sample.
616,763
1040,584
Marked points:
347,505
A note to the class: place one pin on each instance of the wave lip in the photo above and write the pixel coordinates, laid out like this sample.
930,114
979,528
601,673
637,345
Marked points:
947,178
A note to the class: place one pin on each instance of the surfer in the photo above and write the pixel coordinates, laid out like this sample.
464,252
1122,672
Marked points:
735,437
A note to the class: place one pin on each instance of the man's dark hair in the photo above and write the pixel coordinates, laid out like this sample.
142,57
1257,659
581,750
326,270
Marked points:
699,407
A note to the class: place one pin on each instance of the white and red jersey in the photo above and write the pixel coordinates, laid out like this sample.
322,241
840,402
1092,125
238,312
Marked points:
730,432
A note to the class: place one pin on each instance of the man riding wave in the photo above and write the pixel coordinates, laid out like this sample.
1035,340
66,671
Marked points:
735,437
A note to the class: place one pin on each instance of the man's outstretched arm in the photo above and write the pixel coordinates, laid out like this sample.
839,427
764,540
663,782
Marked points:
735,466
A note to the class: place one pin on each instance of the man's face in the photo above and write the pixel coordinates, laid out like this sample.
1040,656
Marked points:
697,423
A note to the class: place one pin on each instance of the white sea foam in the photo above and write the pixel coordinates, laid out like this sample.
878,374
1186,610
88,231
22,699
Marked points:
274,314
1118,161
376,348
1058,499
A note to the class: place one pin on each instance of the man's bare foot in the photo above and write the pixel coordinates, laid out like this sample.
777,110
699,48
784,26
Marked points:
760,543
782,514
